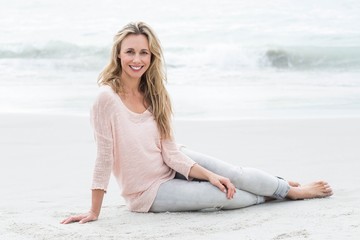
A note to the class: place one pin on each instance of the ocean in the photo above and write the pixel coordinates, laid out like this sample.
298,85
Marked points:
229,59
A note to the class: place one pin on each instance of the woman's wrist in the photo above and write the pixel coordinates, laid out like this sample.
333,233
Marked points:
212,176
94,212
202,173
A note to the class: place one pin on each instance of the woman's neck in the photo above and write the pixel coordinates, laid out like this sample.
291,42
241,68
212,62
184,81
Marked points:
130,87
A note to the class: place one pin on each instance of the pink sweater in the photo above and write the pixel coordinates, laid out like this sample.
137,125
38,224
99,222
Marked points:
129,145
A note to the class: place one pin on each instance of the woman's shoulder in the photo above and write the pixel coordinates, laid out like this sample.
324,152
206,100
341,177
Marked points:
105,95
105,92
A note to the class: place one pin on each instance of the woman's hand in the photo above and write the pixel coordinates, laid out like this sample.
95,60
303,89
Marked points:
81,218
97,198
224,184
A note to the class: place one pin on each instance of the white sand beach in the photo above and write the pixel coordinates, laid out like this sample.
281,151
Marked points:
46,166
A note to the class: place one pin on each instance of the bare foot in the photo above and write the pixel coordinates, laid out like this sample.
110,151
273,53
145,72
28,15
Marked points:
318,189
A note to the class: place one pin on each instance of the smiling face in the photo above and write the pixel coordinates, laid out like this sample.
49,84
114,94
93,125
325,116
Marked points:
135,56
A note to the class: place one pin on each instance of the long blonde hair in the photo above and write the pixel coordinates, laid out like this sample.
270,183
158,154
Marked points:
152,81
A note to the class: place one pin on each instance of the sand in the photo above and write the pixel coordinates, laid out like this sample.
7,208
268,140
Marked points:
46,165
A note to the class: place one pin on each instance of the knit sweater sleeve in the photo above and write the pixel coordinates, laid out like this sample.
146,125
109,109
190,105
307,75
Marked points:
102,123
175,159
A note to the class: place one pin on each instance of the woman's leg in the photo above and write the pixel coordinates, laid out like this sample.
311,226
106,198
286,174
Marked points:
181,195
248,179
259,182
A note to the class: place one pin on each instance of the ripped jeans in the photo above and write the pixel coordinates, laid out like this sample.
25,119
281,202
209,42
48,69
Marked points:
252,185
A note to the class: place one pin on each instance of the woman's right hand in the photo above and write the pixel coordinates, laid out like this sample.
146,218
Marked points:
93,214
81,218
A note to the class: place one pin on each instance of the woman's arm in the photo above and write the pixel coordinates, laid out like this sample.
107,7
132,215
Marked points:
224,184
97,198
101,120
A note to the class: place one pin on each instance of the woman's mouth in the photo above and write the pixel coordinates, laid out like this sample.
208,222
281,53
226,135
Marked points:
136,68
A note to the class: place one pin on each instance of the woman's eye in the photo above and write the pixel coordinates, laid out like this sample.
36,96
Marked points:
133,52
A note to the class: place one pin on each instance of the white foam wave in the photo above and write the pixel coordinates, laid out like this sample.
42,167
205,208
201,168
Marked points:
219,57
52,49
302,58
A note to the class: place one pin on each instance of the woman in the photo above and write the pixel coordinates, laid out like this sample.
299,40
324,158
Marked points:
131,120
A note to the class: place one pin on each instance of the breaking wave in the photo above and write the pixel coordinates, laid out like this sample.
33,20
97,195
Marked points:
312,58
234,57
54,49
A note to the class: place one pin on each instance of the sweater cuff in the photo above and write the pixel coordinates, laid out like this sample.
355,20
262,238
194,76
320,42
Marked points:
96,186
188,172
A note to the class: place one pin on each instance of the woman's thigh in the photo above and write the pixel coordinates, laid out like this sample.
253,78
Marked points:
213,164
181,195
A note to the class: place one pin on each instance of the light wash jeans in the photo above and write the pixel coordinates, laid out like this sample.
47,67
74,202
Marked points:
251,185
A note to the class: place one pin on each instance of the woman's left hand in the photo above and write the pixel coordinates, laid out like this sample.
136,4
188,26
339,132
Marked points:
224,184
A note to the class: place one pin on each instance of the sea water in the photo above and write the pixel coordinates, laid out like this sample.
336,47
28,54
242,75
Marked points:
225,59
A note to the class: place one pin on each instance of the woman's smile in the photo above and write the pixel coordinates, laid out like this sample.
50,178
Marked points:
136,68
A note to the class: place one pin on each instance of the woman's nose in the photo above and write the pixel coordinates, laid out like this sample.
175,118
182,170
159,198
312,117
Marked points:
136,58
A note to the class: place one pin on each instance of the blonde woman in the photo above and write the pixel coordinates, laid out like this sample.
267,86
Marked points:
131,117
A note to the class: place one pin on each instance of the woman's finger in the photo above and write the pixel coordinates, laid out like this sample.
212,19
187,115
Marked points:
224,185
88,219
230,188
231,191
72,219
219,185
67,220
